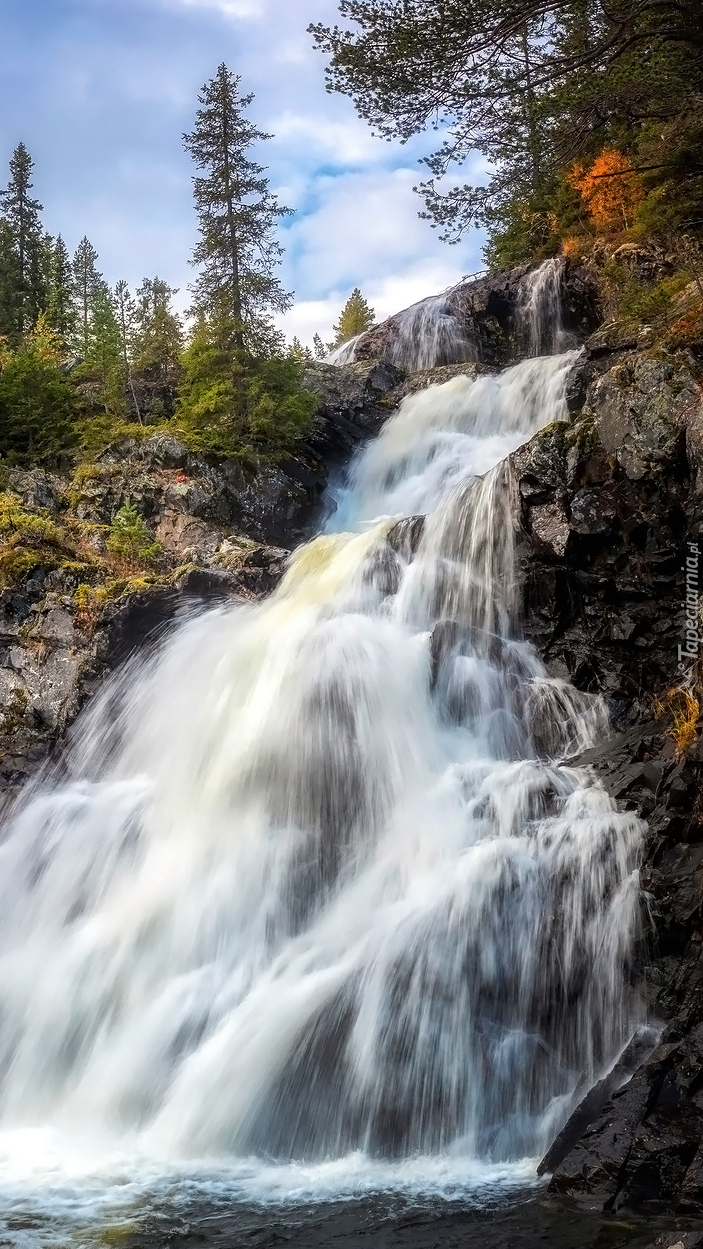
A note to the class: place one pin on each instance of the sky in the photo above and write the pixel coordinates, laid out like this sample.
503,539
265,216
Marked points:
101,91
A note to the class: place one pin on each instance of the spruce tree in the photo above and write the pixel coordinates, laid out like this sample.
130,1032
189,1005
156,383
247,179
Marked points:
104,358
125,313
37,401
237,214
356,317
21,215
60,309
157,344
9,285
158,336
86,284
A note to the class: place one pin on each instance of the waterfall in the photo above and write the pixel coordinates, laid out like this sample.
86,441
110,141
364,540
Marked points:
428,334
540,309
325,880
420,337
346,353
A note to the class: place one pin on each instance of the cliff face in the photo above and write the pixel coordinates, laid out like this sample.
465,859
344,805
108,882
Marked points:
610,512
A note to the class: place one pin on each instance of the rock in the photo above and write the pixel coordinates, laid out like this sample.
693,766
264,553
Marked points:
164,450
641,408
355,402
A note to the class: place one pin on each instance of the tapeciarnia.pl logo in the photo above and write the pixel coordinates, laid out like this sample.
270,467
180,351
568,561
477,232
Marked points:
690,648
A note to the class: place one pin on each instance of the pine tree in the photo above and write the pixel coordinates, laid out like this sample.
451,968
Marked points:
125,311
21,214
37,402
237,215
60,309
355,318
9,285
320,349
86,284
157,343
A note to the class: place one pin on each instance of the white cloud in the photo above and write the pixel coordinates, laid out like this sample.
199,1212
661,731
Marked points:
364,231
230,8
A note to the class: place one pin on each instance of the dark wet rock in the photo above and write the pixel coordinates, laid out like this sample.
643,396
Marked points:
641,406
606,510
405,536
355,401
603,543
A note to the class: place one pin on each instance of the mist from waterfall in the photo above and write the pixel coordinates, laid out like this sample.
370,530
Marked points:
326,883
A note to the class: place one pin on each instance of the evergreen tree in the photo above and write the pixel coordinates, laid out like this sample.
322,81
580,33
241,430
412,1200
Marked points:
125,312
158,334
320,349
237,215
21,215
277,408
60,309
355,318
157,343
9,285
87,282
37,402
104,359
532,87
302,354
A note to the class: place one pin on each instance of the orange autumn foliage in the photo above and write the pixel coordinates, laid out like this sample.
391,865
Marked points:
610,188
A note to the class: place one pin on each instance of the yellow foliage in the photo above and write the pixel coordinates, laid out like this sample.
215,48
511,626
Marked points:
680,709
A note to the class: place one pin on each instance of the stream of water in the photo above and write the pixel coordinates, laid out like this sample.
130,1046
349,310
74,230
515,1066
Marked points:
326,909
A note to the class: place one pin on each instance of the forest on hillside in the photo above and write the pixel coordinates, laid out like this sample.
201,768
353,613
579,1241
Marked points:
83,362
588,116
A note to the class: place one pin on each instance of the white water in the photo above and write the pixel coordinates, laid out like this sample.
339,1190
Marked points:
422,336
540,309
332,896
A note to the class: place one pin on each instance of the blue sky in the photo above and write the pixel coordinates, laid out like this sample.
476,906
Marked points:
101,90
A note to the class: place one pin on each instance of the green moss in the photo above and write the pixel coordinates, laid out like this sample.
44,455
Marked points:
18,525
584,432
16,564
13,718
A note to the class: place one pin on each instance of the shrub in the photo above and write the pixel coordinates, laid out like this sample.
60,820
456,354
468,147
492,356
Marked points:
130,539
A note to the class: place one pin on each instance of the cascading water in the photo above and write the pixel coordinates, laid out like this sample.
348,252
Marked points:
429,334
333,888
423,336
540,309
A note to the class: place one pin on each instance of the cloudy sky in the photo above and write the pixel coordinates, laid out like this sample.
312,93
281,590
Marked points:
101,90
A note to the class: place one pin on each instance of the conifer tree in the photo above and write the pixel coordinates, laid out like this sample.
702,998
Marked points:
237,214
37,401
355,318
125,314
21,215
104,357
60,308
157,343
9,284
86,284
158,334
320,349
